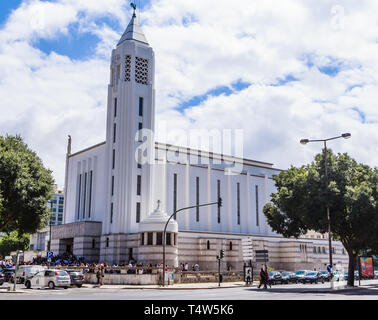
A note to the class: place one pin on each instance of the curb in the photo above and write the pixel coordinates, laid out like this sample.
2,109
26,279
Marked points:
171,288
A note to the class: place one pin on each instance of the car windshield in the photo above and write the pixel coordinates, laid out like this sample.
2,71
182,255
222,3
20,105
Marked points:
285,273
61,273
300,272
311,274
324,272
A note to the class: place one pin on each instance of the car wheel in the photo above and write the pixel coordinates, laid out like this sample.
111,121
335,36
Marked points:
65,287
79,285
51,285
27,284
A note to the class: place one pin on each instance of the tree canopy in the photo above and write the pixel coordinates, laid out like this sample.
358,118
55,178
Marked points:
302,197
25,188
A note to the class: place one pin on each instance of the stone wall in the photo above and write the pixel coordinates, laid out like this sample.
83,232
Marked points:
120,279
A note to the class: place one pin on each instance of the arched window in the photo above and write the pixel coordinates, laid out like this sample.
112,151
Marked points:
230,245
208,245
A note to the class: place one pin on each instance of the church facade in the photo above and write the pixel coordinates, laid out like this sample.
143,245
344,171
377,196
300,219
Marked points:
120,192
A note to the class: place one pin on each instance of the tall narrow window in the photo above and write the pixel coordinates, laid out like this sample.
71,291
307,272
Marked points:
115,107
112,185
168,238
139,159
174,194
114,132
107,242
79,198
238,200
197,199
149,238
159,238
208,245
113,165
138,212
218,196
142,239
139,182
140,106
90,193
140,127
257,204
85,193
111,212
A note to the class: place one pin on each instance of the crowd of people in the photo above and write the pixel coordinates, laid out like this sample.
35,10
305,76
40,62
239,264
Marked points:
185,267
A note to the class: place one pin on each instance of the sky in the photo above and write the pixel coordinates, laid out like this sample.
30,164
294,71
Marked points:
279,70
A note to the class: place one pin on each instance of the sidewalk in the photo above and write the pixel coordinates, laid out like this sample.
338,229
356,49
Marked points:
239,284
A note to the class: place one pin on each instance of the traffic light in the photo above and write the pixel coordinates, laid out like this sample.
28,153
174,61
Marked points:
221,254
219,202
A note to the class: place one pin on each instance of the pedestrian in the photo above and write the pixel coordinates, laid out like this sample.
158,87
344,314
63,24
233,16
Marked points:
196,267
263,278
186,268
102,275
98,275
267,278
249,277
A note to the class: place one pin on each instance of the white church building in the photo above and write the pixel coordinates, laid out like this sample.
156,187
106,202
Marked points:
116,205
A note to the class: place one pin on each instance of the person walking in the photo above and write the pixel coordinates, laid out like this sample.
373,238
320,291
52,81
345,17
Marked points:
98,275
263,278
102,275
249,277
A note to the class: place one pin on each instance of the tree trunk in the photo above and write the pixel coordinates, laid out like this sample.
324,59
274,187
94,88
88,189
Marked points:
352,259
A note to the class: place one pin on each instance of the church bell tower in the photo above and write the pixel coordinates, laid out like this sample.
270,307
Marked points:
131,108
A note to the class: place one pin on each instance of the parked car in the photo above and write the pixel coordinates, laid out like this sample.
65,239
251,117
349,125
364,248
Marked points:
300,274
77,277
275,277
346,276
375,274
8,275
25,271
326,275
49,278
2,278
313,277
285,277
337,276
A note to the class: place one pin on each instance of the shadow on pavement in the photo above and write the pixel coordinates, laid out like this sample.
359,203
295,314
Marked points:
351,292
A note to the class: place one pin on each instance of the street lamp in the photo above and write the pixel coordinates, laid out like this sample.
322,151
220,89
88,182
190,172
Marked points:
219,203
306,141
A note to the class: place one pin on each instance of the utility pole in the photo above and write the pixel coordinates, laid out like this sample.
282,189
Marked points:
220,257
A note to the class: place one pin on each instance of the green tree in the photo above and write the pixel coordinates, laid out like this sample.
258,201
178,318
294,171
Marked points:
13,241
25,188
300,203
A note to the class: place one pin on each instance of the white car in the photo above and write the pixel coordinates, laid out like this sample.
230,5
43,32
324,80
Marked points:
49,278
26,271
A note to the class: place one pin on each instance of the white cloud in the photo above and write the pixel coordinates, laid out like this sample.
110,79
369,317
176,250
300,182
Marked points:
200,46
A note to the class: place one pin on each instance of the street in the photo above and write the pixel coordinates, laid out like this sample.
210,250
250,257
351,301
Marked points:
277,292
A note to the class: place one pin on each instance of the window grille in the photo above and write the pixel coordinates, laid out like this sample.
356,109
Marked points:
141,70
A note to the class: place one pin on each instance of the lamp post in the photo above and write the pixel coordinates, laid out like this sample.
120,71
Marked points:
219,203
49,246
306,141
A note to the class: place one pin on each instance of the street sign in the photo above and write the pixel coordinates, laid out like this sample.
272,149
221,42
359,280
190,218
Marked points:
262,256
49,254
247,248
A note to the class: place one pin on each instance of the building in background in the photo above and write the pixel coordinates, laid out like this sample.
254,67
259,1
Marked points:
39,241
116,206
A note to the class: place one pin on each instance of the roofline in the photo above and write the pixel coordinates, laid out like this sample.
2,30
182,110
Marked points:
87,149
207,153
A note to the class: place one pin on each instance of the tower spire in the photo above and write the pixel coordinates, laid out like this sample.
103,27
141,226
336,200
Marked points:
133,31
